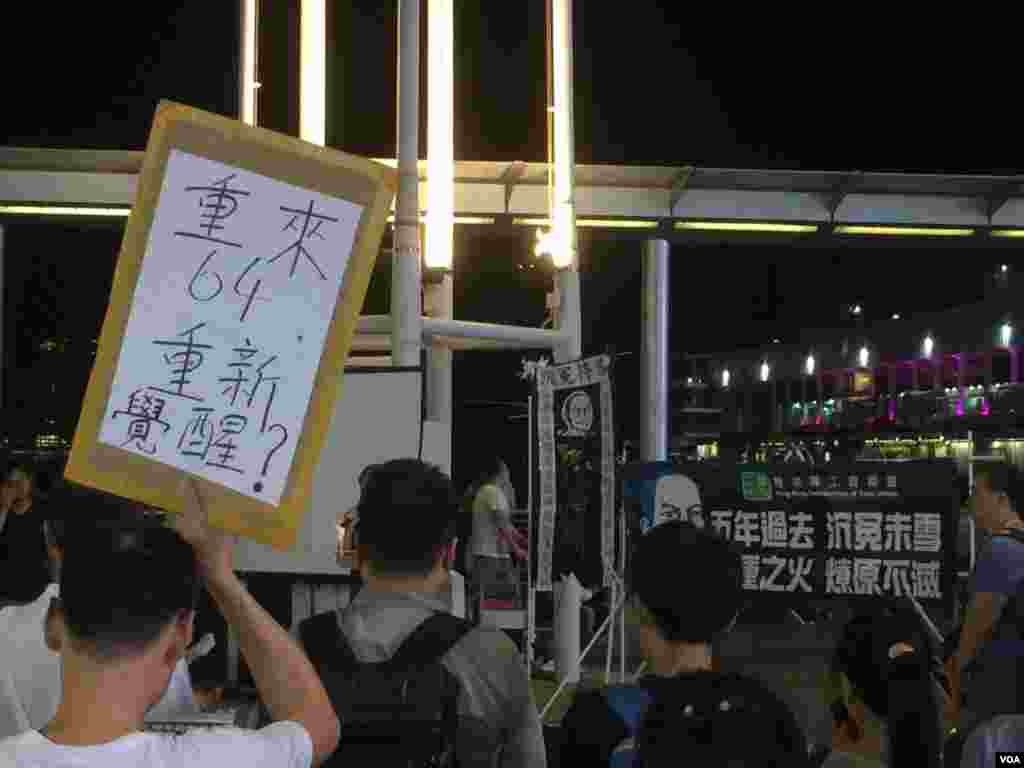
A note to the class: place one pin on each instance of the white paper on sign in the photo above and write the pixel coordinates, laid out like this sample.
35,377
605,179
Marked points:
236,293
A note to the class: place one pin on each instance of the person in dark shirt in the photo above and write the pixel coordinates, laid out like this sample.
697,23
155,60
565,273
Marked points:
986,658
24,564
887,705
685,586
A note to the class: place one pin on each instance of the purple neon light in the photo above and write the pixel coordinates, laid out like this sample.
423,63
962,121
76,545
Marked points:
960,407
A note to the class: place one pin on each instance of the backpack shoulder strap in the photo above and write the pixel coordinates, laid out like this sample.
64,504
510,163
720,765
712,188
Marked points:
431,640
323,639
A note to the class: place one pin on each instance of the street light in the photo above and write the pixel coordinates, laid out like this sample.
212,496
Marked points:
864,357
1006,334
928,346
766,371
725,378
809,365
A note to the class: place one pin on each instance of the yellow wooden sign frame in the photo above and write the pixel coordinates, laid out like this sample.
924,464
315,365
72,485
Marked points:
279,157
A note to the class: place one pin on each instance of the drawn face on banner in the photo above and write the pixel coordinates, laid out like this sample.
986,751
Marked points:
578,414
676,497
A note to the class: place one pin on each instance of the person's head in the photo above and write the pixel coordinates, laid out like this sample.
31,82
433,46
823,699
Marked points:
495,470
407,517
686,585
128,591
15,488
860,689
998,497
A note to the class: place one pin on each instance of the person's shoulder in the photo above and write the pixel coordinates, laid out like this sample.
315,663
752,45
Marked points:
1009,541
488,646
1002,733
21,741
283,743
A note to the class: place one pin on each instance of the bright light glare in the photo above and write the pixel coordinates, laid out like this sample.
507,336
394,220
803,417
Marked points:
864,357
313,72
809,365
766,371
928,347
847,229
745,226
440,135
249,84
57,210
563,244
1006,334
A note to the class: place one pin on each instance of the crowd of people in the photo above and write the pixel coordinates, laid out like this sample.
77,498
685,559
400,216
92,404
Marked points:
98,599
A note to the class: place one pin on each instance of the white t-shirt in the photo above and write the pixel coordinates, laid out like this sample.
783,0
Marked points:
491,510
279,745
30,673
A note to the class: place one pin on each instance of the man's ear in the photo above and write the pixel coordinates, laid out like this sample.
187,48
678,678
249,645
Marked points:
53,625
449,555
855,725
181,633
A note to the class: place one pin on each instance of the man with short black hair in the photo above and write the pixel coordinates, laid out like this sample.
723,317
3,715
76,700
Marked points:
128,591
30,672
686,587
405,545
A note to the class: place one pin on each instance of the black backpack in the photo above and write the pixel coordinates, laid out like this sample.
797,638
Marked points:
399,712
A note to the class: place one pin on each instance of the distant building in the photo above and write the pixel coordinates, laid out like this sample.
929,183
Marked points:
942,373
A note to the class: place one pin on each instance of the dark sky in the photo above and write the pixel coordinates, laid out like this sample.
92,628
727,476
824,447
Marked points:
655,84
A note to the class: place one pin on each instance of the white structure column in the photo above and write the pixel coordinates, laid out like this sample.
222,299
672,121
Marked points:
565,257
438,255
654,411
406,316
313,72
247,85
440,304
3,309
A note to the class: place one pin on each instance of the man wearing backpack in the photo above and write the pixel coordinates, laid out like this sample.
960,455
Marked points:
412,684
686,589
989,654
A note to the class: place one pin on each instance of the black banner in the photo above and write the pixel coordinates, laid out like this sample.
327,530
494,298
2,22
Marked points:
809,533
576,469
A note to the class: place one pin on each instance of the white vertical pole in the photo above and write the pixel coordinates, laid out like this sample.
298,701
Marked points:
564,255
437,254
247,64
654,413
622,616
3,359
531,603
406,315
440,299
313,72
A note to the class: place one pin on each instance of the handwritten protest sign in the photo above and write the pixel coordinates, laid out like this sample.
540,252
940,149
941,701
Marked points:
244,266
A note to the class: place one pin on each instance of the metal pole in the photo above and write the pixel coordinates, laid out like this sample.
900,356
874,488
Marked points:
567,618
313,72
531,602
3,359
406,304
247,63
654,413
440,299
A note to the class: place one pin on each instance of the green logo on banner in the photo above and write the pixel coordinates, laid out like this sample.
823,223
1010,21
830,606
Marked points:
757,486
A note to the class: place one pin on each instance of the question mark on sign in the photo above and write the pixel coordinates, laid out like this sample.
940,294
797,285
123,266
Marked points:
266,464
